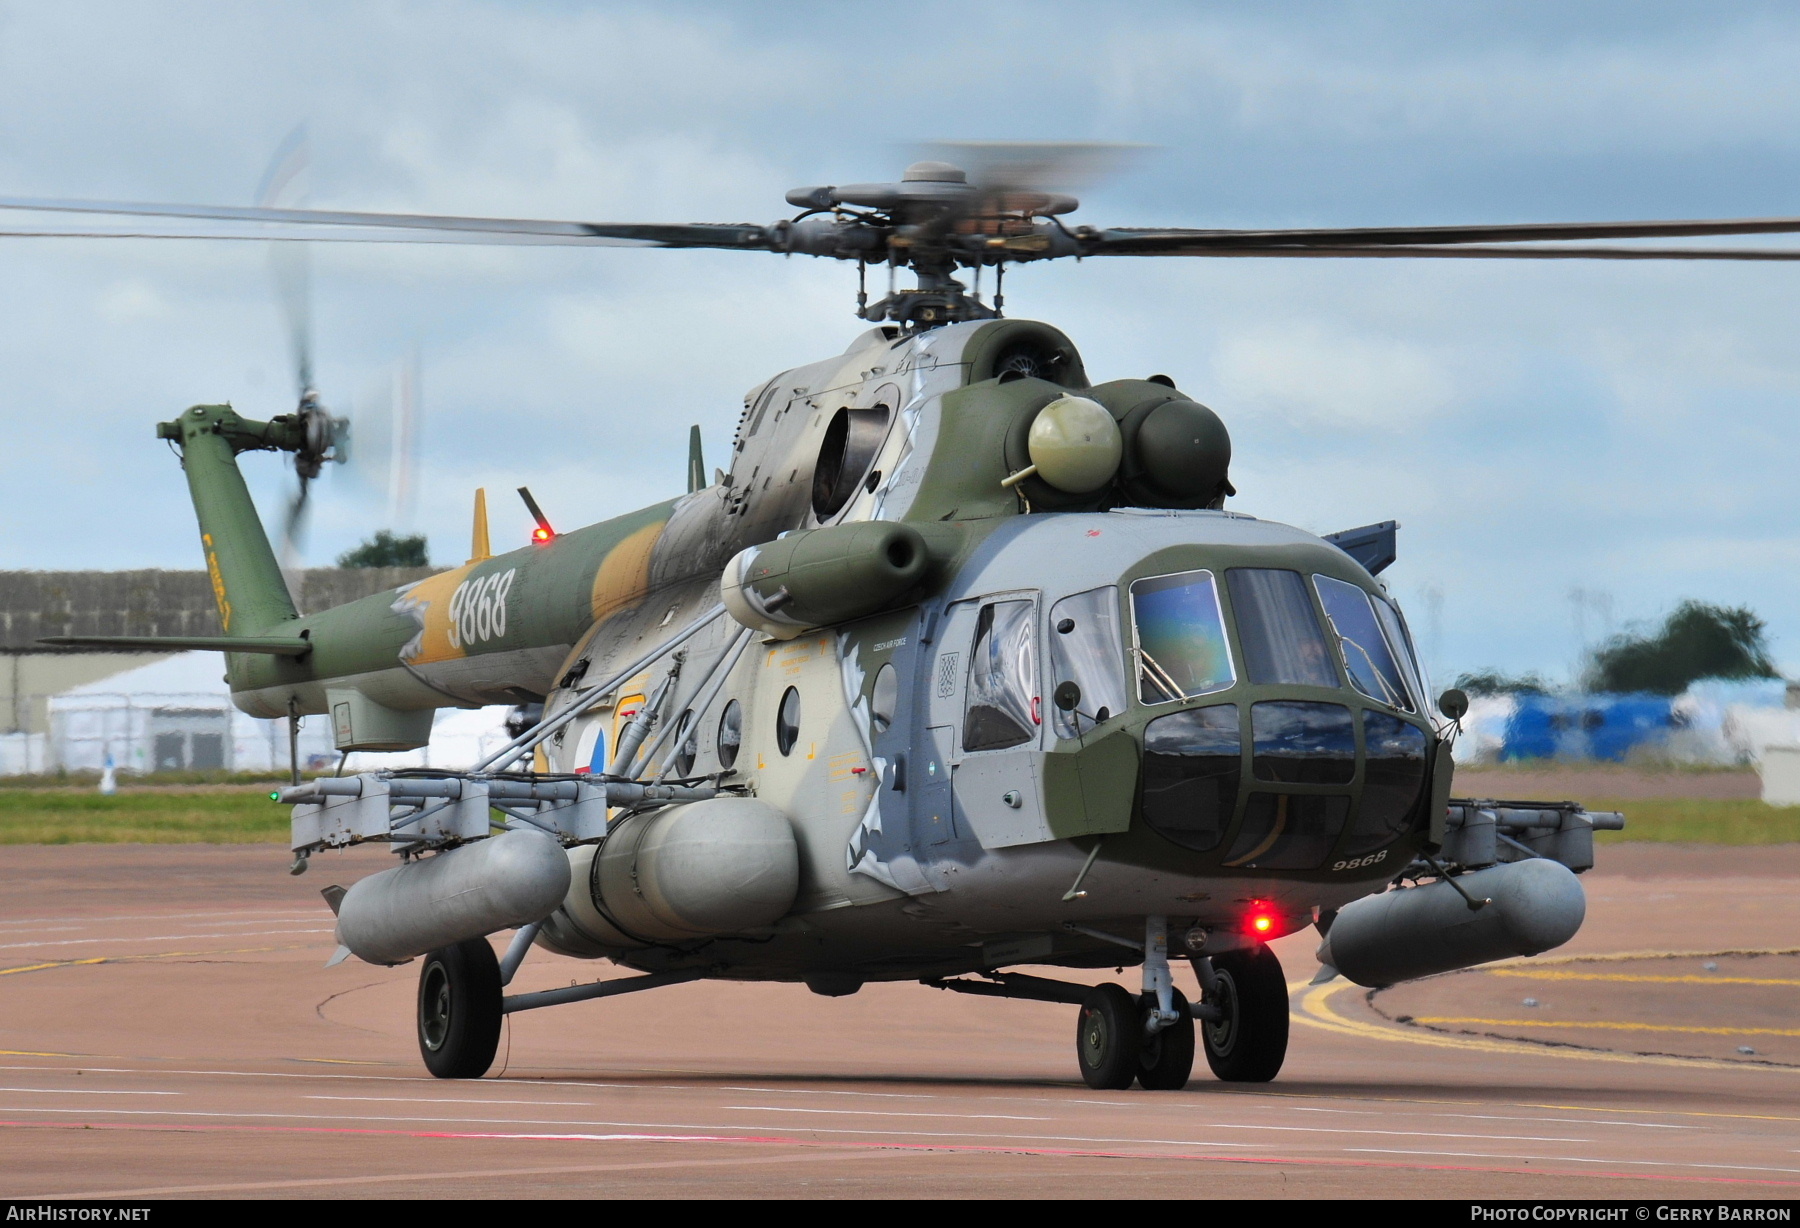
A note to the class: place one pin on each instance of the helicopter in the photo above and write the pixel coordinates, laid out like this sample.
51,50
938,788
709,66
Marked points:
959,664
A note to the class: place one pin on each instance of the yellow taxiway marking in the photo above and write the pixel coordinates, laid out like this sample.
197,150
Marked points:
133,959
1555,975
35,1053
55,963
1598,1023
1316,1009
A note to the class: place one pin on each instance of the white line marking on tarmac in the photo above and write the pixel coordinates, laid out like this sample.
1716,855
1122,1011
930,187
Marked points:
84,1091
542,1104
1301,1108
1483,1155
1508,1138
829,1091
767,1108
1572,1121
735,1130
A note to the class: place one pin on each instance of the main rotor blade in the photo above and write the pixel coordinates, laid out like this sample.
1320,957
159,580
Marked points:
284,185
297,224
1141,242
1485,253
302,234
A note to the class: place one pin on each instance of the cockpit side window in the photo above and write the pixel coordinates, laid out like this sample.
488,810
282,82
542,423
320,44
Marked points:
1003,708
1178,637
1084,649
1372,663
1400,639
1278,629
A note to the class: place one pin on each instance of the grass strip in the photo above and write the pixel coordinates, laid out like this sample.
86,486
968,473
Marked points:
1694,820
160,816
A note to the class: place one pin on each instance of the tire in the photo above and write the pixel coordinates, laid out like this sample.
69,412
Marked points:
1108,1035
459,1010
1249,1044
1166,1059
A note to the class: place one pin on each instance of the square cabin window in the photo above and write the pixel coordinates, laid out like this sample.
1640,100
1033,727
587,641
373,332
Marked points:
1003,679
1178,637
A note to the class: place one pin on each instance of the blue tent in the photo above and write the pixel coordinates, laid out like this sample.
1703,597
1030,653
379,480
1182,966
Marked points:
1599,726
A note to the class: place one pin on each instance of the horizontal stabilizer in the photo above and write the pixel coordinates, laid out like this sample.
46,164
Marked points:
1372,545
277,646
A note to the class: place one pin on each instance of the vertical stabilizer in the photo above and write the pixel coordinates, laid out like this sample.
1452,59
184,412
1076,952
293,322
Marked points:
246,580
478,538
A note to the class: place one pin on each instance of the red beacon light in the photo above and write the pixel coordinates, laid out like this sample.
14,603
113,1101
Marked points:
542,533
1262,921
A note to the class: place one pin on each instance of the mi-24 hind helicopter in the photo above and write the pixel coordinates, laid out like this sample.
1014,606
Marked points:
964,665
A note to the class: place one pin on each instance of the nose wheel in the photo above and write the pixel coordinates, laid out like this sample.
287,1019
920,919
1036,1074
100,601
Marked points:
1115,1050
459,1010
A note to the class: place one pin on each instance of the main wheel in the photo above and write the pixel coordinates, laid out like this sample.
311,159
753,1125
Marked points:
459,1010
1107,1038
1249,1044
1166,1058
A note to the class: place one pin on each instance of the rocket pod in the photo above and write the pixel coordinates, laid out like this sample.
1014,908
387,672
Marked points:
1417,931
484,886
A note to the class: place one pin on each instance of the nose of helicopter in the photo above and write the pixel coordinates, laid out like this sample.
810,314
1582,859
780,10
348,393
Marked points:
1279,710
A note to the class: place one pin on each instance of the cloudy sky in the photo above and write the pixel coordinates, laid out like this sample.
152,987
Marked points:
1570,449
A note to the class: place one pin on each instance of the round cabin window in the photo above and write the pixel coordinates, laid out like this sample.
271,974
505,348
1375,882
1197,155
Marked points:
731,733
687,744
787,721
884,698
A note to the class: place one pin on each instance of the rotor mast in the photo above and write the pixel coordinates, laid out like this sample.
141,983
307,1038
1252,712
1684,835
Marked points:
935,222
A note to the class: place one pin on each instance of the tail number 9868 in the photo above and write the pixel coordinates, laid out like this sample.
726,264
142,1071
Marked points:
478,609
1357,863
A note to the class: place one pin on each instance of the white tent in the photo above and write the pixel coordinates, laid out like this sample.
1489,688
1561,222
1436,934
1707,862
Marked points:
176,714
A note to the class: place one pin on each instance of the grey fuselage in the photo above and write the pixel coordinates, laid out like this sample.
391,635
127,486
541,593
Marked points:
929,847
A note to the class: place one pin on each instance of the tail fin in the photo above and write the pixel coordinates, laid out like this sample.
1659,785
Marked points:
246,581
478,537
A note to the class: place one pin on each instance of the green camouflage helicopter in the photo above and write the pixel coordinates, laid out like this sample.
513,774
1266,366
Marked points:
962,666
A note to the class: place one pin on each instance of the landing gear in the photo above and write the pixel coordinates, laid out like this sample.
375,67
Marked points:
1248,1043
459,1010
1114,1049
1108,1036
1166,1058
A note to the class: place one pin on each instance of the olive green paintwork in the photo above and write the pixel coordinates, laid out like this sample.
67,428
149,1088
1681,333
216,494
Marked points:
253,598
1090,787
843,571
551,598
1141,845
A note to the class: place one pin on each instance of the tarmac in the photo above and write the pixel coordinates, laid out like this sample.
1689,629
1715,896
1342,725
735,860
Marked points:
167,1029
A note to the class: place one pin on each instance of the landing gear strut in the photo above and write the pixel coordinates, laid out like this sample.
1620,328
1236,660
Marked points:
459,1010
1149,1039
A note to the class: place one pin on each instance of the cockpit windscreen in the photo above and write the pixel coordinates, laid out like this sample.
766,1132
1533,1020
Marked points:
1179,633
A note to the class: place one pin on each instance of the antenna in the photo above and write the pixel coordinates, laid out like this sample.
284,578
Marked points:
696,474
543,532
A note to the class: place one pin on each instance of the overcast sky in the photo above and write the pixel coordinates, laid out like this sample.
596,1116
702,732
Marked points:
1569,448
